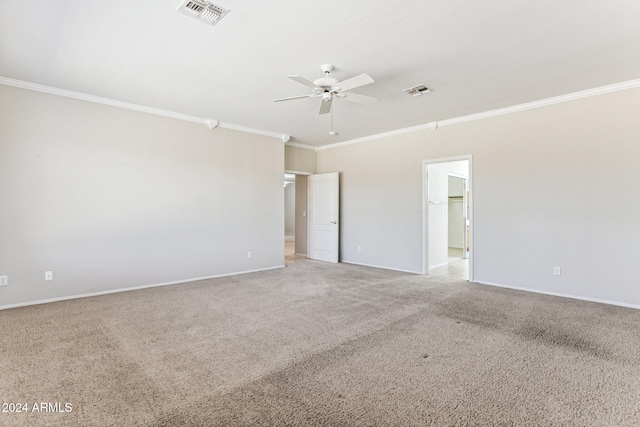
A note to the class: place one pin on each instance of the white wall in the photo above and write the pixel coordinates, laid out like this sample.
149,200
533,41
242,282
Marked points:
553,186
109,198
298,159
290,208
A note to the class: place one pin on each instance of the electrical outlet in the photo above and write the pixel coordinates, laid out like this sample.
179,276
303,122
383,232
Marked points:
249,254
359,248
4,280
556,271
48,275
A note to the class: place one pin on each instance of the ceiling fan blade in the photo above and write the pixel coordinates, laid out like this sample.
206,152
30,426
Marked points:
303,81
352,83
325,106
360,99
295,97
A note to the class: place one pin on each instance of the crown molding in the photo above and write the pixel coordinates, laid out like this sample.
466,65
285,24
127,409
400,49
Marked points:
378,136
305,146
247,129
493,113
208,122
135,107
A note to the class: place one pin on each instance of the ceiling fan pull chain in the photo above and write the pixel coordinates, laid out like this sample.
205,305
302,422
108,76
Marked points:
331,131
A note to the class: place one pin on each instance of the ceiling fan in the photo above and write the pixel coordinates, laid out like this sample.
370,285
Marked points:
329,87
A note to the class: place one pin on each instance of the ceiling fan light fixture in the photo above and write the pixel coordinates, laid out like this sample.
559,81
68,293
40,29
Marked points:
417,90
203,10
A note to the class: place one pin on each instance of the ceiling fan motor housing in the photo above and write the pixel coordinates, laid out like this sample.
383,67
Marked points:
325,82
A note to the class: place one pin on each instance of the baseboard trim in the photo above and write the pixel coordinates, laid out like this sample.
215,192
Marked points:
379,266
136,288
557,294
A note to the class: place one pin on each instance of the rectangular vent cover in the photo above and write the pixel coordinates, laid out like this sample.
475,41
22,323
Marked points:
203,10
417,90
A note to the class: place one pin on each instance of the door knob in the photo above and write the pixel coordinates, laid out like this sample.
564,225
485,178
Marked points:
334,222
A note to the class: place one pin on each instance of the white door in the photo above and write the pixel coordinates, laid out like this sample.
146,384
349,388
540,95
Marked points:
324,238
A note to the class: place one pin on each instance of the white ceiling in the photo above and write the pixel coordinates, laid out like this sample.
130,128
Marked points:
476,55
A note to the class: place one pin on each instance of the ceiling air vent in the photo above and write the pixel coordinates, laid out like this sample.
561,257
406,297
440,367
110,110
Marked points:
417,90
203,10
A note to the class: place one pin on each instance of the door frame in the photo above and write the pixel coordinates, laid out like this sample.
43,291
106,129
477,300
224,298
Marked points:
425,211
306,218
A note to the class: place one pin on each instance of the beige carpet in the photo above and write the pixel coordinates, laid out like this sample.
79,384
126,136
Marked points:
316,344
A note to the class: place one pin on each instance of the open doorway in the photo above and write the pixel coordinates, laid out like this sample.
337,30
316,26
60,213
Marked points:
448,218
458,222
289,215
295,215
